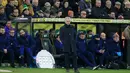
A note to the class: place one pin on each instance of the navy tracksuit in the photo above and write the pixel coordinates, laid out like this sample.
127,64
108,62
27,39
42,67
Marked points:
59,47
96,45
12,45
26,45
84,53
4,44
38,46
113,47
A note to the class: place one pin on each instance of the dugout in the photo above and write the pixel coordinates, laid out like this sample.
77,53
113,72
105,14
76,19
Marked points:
97,25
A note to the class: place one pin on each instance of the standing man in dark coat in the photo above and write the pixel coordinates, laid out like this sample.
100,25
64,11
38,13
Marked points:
68,38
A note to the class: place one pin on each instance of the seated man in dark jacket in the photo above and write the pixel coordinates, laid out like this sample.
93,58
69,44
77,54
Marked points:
113,47
98,48
58,45
26,43
4,48
83,51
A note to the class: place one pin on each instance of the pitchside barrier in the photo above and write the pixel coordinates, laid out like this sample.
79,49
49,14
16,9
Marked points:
33,24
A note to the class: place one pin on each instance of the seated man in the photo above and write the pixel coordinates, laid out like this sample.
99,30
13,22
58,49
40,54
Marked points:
5,48
83,51
97,47
26,43
58,45
113,47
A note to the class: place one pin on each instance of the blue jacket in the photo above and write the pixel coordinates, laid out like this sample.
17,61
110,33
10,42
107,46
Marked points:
38,44
7,30
113,47
94,45
81,45
3,42
26,41
12,42
103,44
58,46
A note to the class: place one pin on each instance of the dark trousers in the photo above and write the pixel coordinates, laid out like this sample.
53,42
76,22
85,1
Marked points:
10,54
88,58
68,58
29,56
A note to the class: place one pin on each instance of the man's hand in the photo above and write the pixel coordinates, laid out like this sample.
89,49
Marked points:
5,51
101,51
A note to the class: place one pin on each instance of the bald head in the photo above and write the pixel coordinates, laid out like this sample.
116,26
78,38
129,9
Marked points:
103,36
116,37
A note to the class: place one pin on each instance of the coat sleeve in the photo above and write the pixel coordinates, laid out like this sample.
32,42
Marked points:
61,34
126,33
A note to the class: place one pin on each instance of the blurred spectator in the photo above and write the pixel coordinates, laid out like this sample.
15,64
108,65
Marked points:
26,14
9,8
126,12
14,15
74,5
55,7
71,13
118,9
53,15
65,9
60,14
97,11
16,3
104,2
25,4
3,2
8,27
47,13
85,4
42,2
47,7
112,15
39,14
58,45
35,6
2,13
108,7
83,14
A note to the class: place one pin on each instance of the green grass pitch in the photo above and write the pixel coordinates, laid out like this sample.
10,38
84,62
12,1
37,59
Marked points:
37,70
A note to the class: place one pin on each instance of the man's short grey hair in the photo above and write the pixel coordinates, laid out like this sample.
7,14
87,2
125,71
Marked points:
67,18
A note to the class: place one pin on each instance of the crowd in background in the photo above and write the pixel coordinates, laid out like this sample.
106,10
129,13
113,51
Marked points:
110,9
